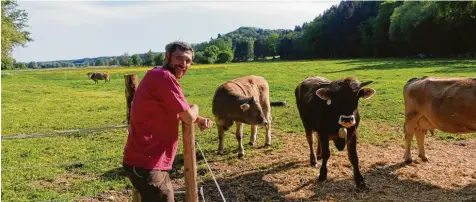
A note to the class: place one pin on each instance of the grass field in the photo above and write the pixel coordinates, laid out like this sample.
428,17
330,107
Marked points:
54,100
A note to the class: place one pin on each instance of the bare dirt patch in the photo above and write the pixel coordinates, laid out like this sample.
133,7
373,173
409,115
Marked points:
285,175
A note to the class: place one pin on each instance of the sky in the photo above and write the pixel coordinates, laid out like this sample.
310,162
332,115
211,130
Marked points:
64,30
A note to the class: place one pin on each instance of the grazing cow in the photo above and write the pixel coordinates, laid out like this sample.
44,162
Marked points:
330,108
243,100
443,103
99,76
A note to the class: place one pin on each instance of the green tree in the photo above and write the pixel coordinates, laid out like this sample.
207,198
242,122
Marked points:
225,57
136,60
159,59
33,65
149,59
100,62
200,58
124,59
211,53
272,44
14,21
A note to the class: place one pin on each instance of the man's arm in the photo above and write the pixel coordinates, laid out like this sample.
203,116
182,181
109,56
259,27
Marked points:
190,115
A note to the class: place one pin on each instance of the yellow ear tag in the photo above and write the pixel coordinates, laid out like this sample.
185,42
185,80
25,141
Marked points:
342,132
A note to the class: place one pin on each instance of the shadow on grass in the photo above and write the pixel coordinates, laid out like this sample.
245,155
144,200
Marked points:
448,66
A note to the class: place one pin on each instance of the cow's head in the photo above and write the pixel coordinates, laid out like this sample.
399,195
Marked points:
252,111
89,74
343,97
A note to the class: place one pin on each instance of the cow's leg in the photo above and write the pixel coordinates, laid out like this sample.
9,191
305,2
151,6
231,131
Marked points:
267,142
221,134
319,148
353,158
310,141
325,157
239,137
420,135
267,112
409,129
254,131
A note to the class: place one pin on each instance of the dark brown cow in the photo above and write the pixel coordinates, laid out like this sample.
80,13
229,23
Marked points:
443,103
243,100
99,76
329,108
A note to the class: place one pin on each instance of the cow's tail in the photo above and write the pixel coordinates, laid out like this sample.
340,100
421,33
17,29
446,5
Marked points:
278,103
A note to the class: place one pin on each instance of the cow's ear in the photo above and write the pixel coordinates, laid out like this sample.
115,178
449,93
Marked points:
322,93
366,93
245,107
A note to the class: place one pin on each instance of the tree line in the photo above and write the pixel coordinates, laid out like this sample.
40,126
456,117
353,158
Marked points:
351,29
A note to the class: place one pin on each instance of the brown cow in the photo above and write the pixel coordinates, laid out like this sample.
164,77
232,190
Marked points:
243,100
99,76
443,103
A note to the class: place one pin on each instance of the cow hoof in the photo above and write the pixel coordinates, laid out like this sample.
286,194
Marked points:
322,178
267,145
423,158
240,156
220,152
251,143
362,187
408,161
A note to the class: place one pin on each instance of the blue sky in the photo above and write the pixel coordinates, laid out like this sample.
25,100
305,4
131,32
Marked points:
77,29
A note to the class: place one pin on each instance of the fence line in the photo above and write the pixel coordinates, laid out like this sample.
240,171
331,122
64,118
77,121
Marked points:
66,132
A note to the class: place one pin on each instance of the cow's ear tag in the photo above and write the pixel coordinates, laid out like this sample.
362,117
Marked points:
329,102
244,107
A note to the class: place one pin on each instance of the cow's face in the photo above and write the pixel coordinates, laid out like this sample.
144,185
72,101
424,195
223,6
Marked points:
252,112
89,74
343,97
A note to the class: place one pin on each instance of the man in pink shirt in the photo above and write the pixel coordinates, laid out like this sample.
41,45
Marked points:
157,108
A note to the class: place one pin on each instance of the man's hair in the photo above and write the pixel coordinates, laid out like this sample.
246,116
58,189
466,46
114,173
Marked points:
180,45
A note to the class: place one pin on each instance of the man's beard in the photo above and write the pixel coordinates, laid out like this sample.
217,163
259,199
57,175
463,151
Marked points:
171,68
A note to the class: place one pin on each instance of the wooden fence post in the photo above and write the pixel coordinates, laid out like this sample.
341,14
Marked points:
131,83
190,165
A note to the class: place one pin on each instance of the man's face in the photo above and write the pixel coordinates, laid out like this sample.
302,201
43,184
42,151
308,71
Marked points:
179,62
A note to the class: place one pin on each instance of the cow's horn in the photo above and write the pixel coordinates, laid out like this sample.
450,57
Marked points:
365,83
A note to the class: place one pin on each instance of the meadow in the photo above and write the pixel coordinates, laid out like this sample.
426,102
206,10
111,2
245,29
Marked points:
84,164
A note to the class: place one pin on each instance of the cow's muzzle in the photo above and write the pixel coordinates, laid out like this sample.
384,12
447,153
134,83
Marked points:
347,121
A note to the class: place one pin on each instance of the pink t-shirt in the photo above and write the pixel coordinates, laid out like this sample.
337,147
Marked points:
153,132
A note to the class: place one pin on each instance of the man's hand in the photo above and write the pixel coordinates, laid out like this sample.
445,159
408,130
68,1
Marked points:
204,123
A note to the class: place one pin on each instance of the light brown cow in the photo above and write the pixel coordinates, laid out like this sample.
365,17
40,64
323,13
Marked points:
243,100
99,76
443,103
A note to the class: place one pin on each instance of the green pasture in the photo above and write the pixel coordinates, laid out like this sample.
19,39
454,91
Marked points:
47,100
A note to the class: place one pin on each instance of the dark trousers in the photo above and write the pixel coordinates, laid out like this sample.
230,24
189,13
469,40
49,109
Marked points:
153,185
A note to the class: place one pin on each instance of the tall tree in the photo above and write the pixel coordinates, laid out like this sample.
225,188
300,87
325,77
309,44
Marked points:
136,60
14,21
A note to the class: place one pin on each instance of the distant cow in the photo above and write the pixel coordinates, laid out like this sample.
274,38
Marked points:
243,100
327,107
446,104
99,76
